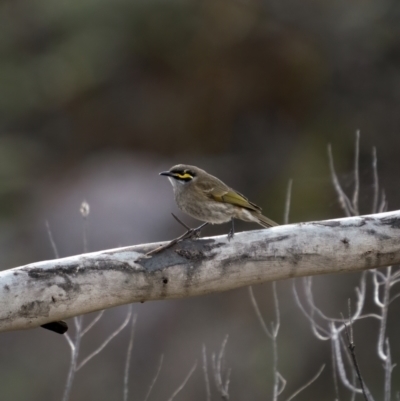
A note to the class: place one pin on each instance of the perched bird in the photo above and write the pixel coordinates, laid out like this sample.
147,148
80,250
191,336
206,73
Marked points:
208,199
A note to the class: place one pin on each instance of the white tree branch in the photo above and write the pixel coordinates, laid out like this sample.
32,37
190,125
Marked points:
48,291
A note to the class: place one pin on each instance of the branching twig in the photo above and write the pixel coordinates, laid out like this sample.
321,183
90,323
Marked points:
221,384
155,378
296,393
356,192
343,199
205,371
128,355
92,323
179,389
287,202
52,242
258,313
375,181
106,341
351,347
85,210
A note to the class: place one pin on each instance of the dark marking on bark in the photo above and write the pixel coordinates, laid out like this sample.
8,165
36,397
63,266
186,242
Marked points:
34,309
296,258
7,288
73,269
256,248
53,299
226,263
345,241
209,247
194,251
165,280
278,238
15,274
393,222
380,236
190,254
63,276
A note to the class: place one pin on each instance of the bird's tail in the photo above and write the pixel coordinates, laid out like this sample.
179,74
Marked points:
265,221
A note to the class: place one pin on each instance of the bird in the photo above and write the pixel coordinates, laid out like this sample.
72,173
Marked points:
206,198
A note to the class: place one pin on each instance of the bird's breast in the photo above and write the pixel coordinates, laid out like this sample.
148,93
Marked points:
203,208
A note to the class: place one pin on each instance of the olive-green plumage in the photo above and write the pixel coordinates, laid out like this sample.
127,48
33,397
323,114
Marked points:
208,199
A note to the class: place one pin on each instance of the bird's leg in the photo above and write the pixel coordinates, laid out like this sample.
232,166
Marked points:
191,232
232,230
181,222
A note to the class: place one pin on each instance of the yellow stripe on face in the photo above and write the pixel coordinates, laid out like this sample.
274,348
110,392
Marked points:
183,176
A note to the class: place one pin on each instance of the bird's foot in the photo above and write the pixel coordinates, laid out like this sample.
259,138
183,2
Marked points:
232,230
195,232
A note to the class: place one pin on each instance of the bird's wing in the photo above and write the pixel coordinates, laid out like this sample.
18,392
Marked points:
222,193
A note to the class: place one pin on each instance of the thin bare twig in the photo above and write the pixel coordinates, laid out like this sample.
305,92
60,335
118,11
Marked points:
75,348
155,377
376,180
316,328
205,371
287,202
128,355
85,210
339,360
385,309
384,204
296,393
275,329
221,384
52,242
394,298
334,372
356,175
180,221
108,339
351,347
388,372
179,389
258,313
343,199
272,335
92,323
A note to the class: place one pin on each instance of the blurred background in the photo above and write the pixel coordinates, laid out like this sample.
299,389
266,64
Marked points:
98,96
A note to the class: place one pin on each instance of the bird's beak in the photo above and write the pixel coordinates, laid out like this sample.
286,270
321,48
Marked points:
167,173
